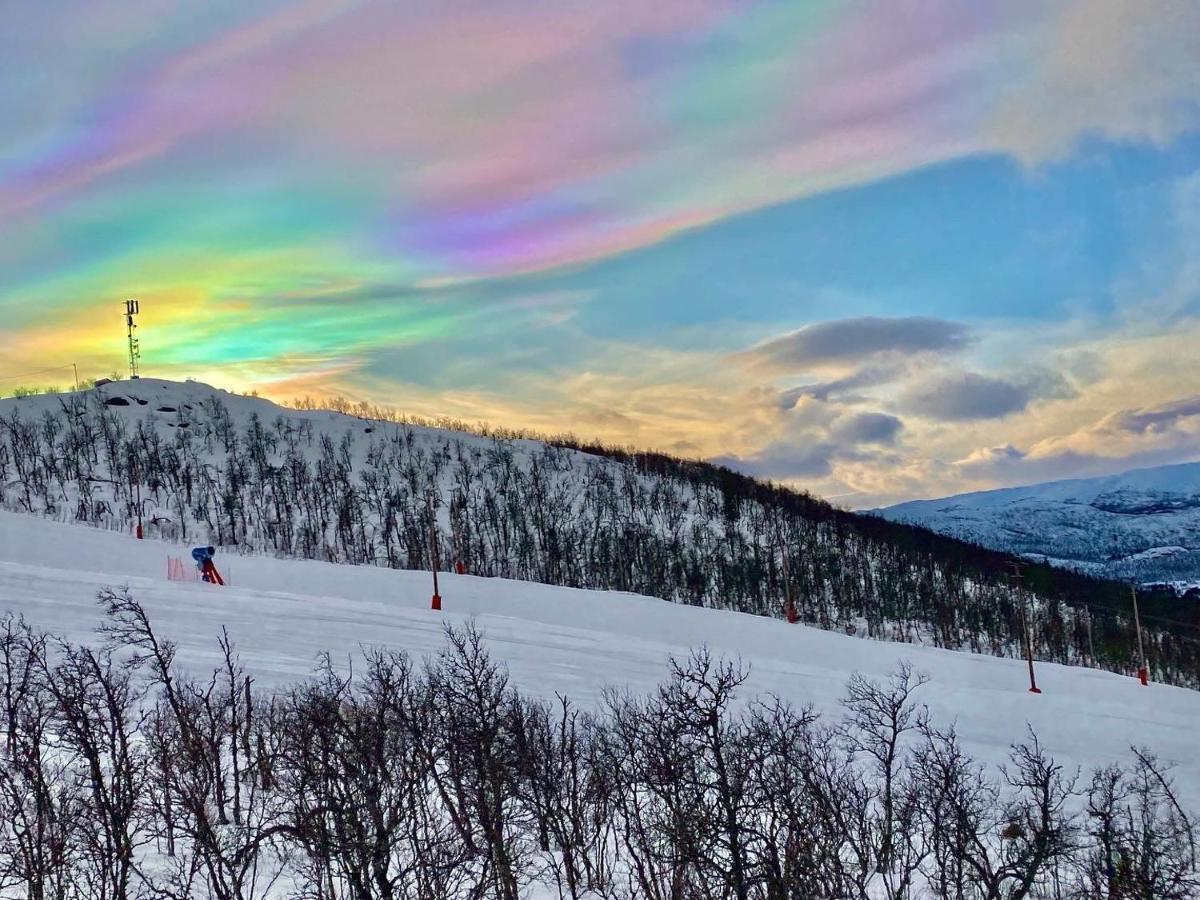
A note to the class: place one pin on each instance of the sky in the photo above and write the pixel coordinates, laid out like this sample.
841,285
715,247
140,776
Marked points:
874,249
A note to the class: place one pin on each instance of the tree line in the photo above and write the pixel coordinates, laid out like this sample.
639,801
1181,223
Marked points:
124,776
368,492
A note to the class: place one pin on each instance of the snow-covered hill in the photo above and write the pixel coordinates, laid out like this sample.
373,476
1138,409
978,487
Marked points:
201,465
1142,525
283,613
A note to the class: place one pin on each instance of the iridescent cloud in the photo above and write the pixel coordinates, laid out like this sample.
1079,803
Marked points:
589,213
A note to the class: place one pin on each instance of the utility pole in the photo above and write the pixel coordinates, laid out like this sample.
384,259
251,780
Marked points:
140,533
789,603
1143,669
135,351
1091,646
436,603
1015,580
135,484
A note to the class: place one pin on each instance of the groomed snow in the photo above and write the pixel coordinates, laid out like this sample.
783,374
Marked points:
283,613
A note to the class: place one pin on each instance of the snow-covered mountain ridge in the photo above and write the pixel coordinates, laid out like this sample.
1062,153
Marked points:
1142,525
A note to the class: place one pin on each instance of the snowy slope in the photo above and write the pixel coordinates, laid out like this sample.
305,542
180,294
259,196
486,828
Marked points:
221,468
282,613
1142,525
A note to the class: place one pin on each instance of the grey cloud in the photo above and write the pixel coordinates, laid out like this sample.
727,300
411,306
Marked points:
869,376
608,418
1154,419
967,396
1010,465
813,454
784,460
997,454
844,340
868,428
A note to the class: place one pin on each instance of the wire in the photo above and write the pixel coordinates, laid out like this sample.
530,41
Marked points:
39,372
1170,621
1129,614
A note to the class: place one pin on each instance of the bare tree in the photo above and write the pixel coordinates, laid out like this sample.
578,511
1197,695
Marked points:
39,798
880,718
98,722
224,824
1143,843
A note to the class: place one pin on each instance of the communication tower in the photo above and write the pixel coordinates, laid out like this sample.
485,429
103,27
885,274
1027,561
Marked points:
135,351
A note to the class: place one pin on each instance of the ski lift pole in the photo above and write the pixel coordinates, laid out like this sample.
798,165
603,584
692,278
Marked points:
1143,669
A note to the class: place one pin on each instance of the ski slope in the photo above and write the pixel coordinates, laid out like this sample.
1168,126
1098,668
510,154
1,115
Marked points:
283,613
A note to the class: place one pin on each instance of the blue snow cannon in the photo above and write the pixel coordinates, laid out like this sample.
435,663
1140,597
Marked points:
203,557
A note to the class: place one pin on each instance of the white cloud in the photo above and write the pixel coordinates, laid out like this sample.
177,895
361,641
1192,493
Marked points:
1117,69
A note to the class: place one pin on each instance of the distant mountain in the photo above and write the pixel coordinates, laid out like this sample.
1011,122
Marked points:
1142,525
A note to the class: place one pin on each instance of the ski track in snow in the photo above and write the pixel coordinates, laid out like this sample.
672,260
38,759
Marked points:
282,614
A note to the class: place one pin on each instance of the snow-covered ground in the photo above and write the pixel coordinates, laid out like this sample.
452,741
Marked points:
1142,525
282,613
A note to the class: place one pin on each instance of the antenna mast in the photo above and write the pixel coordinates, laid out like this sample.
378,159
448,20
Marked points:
135,351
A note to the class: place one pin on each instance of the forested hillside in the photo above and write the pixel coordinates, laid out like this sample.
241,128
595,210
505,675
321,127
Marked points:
200,465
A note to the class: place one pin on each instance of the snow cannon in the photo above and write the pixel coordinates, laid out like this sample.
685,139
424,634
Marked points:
203,557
